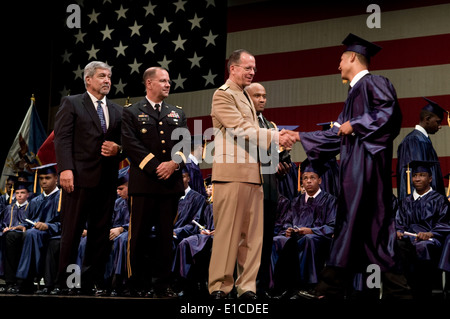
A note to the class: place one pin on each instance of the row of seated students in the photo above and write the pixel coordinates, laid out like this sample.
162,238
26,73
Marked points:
302,236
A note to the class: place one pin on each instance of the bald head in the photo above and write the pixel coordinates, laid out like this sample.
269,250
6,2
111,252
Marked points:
257,93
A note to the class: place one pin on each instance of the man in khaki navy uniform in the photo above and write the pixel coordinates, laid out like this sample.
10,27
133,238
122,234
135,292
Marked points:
155,183
238,194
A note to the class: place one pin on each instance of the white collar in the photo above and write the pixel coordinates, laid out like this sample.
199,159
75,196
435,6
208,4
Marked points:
193,159
54,191
153,103
421,130
314,196
21,205
358,77
94,99
416,195
186,191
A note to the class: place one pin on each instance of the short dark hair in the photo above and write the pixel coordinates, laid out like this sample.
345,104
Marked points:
424,114
150,72
363,59
235,57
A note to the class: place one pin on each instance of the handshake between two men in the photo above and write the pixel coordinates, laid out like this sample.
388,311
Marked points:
289,138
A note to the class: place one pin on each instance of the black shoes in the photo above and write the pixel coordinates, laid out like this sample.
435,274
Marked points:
248,295
218,294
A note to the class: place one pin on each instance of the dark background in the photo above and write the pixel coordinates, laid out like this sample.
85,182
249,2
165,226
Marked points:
29,30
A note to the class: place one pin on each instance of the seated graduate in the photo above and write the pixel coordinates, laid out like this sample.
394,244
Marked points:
11,227
209,189
7,197
422,226
115,272
308,232
192,256
192,165
189,206
43,223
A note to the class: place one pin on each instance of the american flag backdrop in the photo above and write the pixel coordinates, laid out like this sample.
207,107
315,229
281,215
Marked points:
297,47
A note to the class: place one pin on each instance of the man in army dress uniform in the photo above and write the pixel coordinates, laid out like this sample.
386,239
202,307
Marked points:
155,183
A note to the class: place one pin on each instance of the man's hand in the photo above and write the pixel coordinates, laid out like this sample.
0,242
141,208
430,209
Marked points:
166,169
424,235
304,231
41,226
345,129
288,138
114,232
110,148
66,180
283,168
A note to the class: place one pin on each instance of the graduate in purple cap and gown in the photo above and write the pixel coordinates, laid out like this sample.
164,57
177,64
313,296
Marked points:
189,206
115,270
43,223
422,224
308,230
13,215
193,253
363,135
417,146
192,164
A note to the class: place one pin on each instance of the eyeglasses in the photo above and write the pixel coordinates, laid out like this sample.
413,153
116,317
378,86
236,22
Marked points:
164,81
247,68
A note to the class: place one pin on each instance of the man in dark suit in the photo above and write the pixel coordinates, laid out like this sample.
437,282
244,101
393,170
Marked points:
155,184
88,151
257,94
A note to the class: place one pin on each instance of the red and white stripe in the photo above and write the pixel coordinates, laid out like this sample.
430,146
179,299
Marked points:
297,49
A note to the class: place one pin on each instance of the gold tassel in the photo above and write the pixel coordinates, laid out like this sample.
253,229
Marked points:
299,184
448,118
59,201
10,221
408,181
35,181
129,238
10,195
204,151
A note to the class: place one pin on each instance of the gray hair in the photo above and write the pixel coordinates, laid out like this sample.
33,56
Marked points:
91,67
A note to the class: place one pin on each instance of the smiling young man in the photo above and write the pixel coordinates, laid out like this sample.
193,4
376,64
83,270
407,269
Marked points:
417,146
422,213
369,123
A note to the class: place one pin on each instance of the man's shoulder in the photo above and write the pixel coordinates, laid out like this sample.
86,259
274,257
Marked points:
174,108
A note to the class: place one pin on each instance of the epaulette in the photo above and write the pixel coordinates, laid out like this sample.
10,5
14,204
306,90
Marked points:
224,87
180,107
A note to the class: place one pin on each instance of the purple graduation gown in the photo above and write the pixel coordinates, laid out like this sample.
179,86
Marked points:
417,147
429,214
311,249
18,218
190,246
43,209
364,232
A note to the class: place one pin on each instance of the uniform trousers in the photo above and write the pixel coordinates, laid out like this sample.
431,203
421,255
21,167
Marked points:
150,236
238,221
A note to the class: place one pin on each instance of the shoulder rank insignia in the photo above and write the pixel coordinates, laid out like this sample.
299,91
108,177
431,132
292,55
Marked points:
224,87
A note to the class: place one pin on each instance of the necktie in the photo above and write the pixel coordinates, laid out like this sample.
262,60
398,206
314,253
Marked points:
261,122
310,200
101,116
157,108
245,93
